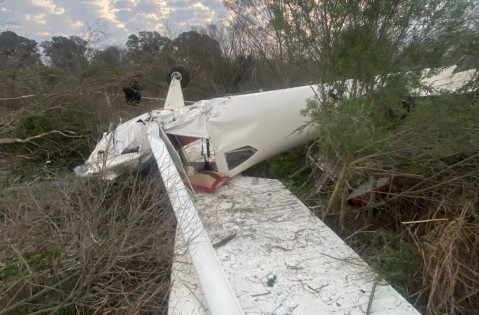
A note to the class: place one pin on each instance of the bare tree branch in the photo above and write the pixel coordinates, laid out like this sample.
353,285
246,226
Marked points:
66,133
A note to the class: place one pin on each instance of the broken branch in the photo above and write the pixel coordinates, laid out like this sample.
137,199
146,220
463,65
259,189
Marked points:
66,133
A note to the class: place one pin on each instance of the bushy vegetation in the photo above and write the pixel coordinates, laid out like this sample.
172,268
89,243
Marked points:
428,147
372,120
73,246
86,246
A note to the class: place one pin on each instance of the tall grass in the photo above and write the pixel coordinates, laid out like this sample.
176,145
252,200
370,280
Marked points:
86,247
429,149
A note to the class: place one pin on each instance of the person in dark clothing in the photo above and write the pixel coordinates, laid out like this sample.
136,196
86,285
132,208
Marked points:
133,90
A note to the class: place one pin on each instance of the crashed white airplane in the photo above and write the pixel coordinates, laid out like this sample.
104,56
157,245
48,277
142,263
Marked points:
242,130
276,257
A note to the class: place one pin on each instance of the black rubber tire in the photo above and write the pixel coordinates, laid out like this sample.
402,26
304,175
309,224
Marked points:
185,75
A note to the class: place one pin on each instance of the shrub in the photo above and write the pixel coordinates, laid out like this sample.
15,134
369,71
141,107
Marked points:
430,150
86,246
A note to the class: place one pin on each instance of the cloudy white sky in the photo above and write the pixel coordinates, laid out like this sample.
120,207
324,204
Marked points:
42,19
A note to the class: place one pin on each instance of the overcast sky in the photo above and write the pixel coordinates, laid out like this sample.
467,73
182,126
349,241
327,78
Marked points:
42,19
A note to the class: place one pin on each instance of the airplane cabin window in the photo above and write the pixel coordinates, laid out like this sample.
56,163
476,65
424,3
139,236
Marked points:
238,156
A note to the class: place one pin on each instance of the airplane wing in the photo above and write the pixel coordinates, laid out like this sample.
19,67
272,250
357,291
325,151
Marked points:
216,288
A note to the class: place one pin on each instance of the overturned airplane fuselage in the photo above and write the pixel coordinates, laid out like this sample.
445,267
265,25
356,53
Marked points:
241,130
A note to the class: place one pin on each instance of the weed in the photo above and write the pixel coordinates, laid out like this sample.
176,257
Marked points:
289,168
90,246
431,152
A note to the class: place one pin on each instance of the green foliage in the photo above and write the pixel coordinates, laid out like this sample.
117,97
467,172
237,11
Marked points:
33,124
367,57
429,146
48,77
352,128
67,53
394,259
354,123
370,124
359,39
10,268
289,168
14,267
18,51
101,69
444,126
147,48
359,54
111,55
60,138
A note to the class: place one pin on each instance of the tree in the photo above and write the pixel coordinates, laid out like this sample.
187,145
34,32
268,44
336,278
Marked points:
111,55
202,56
17,51
147,47
195,50
69,54
256,30
133,43
107,61
371,122
344,38
17,54
235,71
